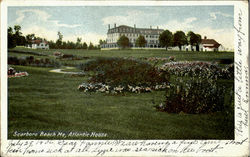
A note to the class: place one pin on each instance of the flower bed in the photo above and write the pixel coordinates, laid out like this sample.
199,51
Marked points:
198,87
199,69
156,59
123,72
13,73
120,74
18,74
198,96
99,87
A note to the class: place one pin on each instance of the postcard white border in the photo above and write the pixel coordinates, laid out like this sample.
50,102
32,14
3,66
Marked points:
229,150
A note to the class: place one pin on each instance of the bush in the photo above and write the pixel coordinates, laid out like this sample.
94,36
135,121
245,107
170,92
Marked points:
198,96
226,61
120,71
27,52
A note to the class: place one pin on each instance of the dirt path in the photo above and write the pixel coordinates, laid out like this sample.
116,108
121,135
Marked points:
65,72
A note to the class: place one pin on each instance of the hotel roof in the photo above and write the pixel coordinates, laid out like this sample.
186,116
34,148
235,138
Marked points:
128,29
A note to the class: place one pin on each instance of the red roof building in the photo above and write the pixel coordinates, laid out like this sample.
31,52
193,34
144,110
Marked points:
209,44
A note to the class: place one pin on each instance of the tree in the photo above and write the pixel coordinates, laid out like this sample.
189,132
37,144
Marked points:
10,30
29,38
101,42
123,42
166,39
17,29
194,39
78,43
59,40
84,45
140,41
17,37
52,44
179,39
198,41
64,45
11,39
91,46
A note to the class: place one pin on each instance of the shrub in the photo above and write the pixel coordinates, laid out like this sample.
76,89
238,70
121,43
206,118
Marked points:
30,60
197,96
27,52
198,69
13,60
120,71
226,61
67,56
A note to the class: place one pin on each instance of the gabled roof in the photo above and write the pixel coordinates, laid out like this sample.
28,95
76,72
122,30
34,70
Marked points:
211,43
39,41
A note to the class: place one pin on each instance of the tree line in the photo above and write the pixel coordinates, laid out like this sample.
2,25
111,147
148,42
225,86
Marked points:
166,39
16,38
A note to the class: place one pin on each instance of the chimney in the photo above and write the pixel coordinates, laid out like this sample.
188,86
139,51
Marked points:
134,26
157,27
150,27
205,37
115,25
109,26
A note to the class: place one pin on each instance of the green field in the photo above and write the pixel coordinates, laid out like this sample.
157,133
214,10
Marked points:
46,101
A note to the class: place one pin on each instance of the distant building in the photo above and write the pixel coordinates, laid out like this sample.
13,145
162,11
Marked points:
210,45
38,44
206,45
132,33
152,37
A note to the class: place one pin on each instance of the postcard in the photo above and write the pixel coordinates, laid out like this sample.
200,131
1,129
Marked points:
124,78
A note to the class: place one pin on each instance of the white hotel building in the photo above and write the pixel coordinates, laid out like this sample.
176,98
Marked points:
132,33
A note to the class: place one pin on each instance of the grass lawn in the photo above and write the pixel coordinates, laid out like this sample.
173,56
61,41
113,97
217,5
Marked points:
46,101
179,55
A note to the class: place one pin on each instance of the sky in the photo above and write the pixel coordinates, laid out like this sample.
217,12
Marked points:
91,22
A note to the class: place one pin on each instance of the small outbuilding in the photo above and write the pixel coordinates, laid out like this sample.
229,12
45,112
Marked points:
210,45
39,44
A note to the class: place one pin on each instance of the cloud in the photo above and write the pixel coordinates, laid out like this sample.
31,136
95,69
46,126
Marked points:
41,32
88,37
52,35
130,18
66,25
175,25
222,36
41,16
214,15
